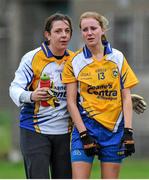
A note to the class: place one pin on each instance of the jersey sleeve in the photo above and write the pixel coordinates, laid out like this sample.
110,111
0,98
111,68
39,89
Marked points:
68,74
128,77
23,78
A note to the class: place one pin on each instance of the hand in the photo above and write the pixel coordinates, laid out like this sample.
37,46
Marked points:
139,105
128,141
40,94
90,146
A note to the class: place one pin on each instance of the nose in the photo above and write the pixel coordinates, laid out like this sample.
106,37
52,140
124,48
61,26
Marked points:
89,31
64,33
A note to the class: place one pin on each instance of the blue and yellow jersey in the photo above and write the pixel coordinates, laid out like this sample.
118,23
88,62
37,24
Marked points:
100,84
47,120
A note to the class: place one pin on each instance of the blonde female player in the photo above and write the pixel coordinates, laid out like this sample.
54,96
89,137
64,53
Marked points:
98,81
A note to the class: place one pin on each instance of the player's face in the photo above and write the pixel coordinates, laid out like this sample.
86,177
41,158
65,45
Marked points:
59,36
91,32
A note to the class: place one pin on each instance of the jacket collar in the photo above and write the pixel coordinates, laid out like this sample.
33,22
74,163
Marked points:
107,49
47,51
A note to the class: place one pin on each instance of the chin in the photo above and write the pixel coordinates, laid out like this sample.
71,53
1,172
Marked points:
64,46
91,44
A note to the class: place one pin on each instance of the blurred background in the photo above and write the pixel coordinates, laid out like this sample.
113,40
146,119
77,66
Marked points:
21,30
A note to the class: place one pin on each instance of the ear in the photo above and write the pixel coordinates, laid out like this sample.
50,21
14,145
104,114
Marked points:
47,35
103,32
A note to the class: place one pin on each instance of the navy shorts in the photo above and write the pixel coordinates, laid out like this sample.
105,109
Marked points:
111,149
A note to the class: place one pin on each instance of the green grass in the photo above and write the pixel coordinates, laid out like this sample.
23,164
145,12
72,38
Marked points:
9,170
131,169
5,131
135,169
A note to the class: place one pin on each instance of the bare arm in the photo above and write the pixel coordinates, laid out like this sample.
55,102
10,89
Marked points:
127,107
72,106
127,138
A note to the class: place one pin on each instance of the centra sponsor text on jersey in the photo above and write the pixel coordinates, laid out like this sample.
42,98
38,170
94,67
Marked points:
103,92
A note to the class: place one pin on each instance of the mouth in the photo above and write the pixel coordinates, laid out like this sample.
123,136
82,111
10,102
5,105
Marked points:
64,42
90,39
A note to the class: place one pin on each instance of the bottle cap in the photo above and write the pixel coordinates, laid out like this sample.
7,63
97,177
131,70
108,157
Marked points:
45,77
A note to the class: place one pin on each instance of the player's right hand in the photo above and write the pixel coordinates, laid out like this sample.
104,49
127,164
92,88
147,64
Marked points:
90,146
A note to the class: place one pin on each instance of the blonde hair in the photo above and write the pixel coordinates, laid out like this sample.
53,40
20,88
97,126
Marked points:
103,22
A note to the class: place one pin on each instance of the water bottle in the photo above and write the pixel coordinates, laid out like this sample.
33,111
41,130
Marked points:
44,82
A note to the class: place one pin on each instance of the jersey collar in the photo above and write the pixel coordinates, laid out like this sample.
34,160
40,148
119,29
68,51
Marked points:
107,49
48,52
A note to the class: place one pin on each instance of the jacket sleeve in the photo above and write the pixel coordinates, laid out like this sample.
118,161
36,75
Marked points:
20,85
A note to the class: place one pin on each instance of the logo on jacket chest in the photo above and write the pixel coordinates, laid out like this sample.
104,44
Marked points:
85,76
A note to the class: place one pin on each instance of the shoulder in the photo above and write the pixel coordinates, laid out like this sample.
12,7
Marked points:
71,53
29,55
25,64
27,58
71,56
78,55
116,56
79,52
116,53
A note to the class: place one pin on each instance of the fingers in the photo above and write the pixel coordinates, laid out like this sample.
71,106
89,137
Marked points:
129,151
89,152
88,146
97,146
40,94
92,149
140,107
129,147
129,142
136,97
142,104
139,110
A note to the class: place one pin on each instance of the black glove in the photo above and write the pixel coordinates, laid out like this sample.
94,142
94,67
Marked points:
90,146
128,141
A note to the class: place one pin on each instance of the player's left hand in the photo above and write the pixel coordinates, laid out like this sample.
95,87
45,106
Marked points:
128,141
139,104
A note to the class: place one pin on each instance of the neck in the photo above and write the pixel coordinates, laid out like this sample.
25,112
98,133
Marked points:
98,51
57,52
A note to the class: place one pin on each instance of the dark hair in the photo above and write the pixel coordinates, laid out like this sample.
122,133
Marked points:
56,17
